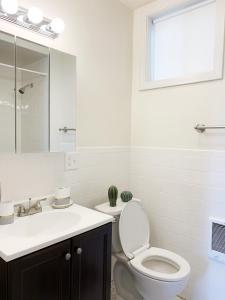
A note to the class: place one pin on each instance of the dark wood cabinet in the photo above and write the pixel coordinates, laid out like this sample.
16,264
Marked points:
76,269
42,275
91,271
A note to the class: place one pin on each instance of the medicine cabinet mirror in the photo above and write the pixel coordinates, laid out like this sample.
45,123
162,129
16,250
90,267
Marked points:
37,97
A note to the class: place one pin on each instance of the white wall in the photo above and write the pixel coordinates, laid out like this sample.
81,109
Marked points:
166,117
135,3
98,32
37,175
179,173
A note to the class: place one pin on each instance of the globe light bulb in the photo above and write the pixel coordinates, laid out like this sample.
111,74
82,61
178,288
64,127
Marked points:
57,25
35,15
10,6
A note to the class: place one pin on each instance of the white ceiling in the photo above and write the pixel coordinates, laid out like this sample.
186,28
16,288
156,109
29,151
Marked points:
135,3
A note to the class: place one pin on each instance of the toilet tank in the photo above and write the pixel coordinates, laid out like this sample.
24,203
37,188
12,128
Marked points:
115,212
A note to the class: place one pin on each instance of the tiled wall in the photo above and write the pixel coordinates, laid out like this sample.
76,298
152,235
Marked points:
98,168
180,189
36,175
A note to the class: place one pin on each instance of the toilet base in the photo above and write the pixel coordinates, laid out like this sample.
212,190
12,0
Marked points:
124,282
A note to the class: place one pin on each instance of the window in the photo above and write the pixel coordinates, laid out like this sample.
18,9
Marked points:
183,45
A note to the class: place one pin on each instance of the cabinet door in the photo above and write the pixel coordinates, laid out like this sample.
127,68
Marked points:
91,265
3,280
43,275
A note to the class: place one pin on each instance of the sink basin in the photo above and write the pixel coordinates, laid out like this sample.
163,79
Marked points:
32,233
43,224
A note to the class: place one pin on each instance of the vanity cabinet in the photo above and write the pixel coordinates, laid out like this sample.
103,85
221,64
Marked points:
76,269
91,265
42,275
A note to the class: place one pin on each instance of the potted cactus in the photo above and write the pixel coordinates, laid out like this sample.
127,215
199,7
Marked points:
126,196
113,195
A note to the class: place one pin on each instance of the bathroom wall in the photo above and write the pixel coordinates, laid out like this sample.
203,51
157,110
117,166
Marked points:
180,173
28,175
99,33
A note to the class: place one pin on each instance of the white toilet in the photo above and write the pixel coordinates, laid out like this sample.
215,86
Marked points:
142,271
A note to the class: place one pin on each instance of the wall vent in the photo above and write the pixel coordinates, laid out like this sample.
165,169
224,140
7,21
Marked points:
217,245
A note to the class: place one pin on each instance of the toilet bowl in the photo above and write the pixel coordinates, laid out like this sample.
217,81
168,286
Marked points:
158,274
141,271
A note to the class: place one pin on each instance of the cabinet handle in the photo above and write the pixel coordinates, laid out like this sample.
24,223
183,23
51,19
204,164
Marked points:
79,251
67,256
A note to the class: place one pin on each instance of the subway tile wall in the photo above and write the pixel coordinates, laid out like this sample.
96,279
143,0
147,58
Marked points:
180,190
37,175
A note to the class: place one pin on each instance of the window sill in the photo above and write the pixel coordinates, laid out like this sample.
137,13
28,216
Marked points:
156,84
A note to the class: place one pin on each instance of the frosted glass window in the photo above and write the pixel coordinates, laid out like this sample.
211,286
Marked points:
183,42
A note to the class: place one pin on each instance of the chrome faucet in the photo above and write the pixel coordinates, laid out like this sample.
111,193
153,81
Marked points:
36,208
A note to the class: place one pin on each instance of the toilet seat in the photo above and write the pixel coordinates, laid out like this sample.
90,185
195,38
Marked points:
166,266
154,263
134,230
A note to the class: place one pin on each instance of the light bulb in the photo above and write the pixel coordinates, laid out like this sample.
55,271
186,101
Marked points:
57,25
10,6
35,15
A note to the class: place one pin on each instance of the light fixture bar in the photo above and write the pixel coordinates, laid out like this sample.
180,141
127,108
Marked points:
20,19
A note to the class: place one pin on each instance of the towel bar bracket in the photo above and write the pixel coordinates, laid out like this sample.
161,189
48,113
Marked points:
201,128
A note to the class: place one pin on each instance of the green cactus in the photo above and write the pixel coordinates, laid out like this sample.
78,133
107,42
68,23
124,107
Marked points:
113,195
126,196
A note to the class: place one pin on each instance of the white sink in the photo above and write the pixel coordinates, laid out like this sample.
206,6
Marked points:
47,223
32,233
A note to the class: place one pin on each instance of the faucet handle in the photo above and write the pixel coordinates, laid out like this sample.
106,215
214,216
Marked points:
21,210
40,200
37,203
36,207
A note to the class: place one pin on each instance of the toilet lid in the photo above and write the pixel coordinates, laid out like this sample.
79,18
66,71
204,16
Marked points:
134,228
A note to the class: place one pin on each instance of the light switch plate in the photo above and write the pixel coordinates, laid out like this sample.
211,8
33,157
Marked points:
70,161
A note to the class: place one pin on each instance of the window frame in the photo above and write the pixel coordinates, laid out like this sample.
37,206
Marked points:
158,8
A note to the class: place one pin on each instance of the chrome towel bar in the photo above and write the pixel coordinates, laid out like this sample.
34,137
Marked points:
202,128
66,129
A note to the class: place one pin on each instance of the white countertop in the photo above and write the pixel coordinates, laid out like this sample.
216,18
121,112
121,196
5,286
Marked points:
32,233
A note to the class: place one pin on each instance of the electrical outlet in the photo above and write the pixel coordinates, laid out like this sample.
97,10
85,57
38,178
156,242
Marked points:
70,161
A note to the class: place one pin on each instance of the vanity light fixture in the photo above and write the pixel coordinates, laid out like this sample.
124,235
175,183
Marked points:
35,15
31,19
57,25
9,6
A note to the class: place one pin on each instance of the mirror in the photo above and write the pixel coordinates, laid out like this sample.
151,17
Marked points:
62,101
32,97
7,94
41,84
